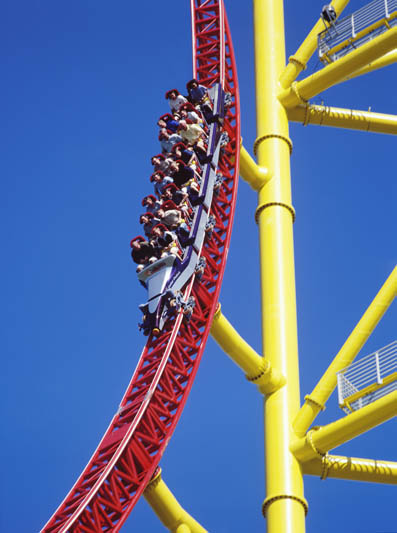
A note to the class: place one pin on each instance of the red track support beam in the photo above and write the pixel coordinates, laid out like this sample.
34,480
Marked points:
132,446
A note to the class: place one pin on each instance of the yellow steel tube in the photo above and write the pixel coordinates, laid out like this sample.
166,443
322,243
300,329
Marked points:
183,528
168,509
323,390
257,369
337,117
321,440
353,468
285,506
253,174
384,61
298,61
336,72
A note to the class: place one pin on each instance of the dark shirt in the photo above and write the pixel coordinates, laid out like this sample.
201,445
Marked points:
166,239
172,125
183,175
197,94
143,253
178,197
159,243
186,156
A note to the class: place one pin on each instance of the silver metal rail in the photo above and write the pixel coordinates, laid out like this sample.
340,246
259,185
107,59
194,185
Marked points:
368,379
351,32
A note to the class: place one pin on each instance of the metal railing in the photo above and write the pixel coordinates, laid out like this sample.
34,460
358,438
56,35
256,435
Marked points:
368,379
356,29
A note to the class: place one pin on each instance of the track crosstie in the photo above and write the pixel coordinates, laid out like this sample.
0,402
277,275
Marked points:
132,446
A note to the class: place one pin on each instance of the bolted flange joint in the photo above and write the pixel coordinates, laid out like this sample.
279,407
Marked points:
268,380
261,207
259,140
298,62
271,499
311,400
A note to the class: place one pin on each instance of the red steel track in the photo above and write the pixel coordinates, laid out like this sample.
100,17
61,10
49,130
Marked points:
136,438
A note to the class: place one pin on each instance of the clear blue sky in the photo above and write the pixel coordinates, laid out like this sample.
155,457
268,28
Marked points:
83,83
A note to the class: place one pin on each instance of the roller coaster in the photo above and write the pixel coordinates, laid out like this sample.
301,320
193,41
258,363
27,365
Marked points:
130,450
126,460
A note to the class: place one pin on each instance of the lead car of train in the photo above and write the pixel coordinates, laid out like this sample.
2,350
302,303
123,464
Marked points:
166,277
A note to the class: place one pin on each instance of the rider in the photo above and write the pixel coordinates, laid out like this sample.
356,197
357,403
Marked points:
175,99
198,95
168,122
141,251
160,180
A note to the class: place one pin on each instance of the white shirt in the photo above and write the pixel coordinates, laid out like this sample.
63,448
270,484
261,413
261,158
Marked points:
176,104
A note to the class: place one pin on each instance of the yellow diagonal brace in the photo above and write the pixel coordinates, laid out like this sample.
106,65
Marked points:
350,119
384,61
183,528
346,355
168,509
338,70
353,468
257,368
320,440
252,173
298,61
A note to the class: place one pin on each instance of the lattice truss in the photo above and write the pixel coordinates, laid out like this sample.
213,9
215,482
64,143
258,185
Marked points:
132,446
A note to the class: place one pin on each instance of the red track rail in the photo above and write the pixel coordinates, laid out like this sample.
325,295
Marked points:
135,440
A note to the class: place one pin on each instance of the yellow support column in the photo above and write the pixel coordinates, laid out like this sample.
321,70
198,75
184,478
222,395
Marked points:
299,60
168,509
284,506
257,369
334,73
350,119
388,59
250,172
352,468
322,439
356,340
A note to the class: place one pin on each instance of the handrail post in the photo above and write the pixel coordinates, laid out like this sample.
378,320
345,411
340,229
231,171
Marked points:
379,379
386,9
339,378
